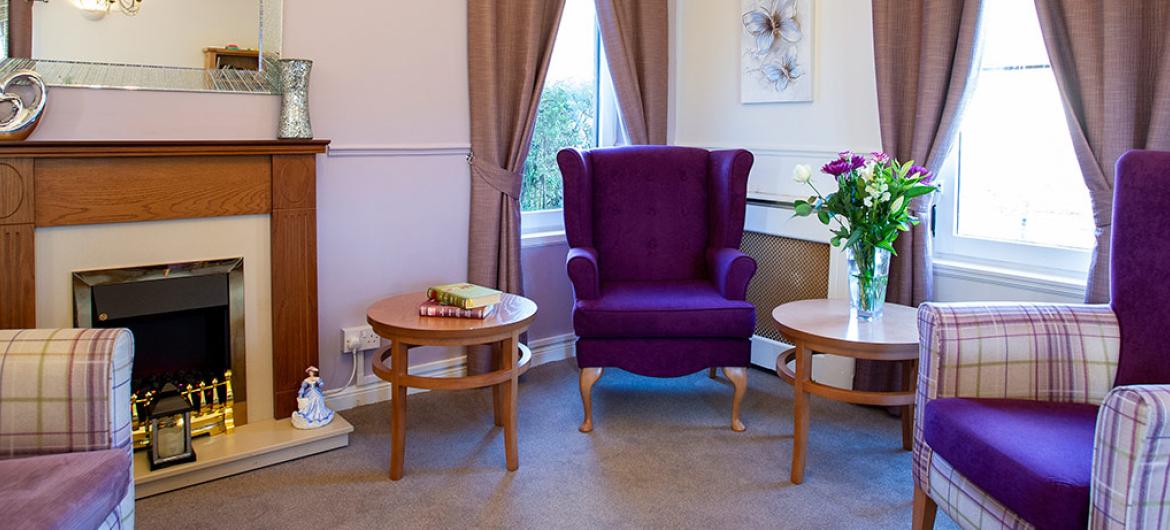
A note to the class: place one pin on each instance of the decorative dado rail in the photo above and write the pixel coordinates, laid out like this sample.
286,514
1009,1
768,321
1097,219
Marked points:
45,184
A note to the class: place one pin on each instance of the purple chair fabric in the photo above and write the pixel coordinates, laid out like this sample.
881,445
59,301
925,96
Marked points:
1045,448
68,490
1140,267
654,235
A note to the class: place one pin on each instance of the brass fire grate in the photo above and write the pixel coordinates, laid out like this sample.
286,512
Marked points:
215,414
789,269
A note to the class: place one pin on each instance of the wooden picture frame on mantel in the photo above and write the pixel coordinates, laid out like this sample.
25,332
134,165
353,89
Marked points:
44,184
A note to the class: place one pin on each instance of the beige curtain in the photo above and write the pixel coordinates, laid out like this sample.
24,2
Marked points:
634,34
509,44
1112,64
925,55
20,28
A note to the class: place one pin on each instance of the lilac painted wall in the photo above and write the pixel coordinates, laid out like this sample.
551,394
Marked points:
547,283
392,78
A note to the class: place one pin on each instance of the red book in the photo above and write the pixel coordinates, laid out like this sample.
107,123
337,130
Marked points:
431,308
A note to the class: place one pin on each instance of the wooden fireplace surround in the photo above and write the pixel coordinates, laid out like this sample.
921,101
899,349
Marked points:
45,184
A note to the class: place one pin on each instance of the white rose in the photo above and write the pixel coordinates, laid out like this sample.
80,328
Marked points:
885,196
802,173
868,202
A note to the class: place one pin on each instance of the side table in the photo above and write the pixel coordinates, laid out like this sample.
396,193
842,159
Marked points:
827,326
397,320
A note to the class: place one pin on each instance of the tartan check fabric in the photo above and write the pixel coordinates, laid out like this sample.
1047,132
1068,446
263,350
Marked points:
966,504
1045,352
1131,459
67,390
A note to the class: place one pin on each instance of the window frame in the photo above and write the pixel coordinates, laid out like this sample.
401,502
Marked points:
1063,263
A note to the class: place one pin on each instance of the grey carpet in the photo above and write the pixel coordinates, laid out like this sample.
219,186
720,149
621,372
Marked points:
660,456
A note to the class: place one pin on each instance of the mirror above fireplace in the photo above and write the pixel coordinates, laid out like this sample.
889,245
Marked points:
209,45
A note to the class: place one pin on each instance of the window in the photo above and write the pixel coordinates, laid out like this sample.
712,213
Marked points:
1013,188
577,109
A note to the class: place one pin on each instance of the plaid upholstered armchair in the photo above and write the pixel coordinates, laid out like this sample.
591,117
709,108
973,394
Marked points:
1056,416
65,452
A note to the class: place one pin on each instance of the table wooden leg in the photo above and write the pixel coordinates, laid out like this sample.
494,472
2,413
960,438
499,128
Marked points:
910,382
497,399
510,390
397,410
800,431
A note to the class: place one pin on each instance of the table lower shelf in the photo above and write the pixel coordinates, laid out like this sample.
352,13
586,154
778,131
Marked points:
858,397
451,383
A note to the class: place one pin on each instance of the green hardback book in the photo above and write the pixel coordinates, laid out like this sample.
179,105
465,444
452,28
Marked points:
464,295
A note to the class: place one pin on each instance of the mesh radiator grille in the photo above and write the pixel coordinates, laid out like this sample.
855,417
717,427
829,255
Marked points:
789,269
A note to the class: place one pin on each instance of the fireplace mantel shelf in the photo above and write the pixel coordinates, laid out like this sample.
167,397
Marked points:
61,183
137,148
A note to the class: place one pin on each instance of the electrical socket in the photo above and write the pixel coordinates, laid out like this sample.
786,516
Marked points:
363,336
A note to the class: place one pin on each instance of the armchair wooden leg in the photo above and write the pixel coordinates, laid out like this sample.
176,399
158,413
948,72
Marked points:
588,377
924,510
738,377
711,372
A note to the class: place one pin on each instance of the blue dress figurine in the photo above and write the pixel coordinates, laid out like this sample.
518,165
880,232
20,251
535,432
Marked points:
312,412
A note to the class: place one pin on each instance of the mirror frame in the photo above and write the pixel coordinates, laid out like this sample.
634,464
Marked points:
162,78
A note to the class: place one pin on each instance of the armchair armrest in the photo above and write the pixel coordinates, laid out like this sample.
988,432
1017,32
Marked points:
1131,455
582,267
1049,352
730,271
65,390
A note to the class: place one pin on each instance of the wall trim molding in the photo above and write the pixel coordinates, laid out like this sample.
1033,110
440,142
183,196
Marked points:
398,150
812,151
371,389
1033,282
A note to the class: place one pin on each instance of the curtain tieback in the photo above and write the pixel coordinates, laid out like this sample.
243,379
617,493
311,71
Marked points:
504,181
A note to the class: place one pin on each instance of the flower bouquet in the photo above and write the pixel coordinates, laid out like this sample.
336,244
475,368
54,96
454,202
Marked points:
871,206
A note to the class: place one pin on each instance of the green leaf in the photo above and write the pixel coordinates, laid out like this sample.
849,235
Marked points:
916,191
823,216
836,241
886,245
802,208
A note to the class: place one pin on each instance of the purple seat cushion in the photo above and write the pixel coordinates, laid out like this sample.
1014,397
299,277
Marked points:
672,309
68,490
1034,457
1139,266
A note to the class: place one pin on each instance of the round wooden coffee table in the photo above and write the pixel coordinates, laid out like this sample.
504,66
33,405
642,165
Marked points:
397,320
826,326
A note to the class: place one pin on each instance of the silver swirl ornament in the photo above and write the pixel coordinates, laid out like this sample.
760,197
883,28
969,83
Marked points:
23,117
294,104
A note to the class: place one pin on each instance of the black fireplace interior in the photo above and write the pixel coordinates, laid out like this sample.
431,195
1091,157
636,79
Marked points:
181,327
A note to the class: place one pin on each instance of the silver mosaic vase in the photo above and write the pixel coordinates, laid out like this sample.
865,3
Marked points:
294,103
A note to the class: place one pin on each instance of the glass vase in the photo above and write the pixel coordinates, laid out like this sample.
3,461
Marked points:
294,103
869,270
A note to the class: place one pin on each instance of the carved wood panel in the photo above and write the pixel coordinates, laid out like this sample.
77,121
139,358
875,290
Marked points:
294,276
17,281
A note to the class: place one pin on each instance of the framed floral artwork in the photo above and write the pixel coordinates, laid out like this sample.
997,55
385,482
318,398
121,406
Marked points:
776,51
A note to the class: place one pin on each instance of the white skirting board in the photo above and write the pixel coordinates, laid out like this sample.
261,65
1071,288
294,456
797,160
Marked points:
828,369
832,370
252,446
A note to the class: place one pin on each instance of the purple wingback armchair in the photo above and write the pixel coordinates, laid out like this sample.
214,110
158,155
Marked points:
654,234
1056,416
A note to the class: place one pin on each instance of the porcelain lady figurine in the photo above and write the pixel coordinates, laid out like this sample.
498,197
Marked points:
312,412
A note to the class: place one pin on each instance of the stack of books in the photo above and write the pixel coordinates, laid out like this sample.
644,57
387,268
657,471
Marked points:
460,300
